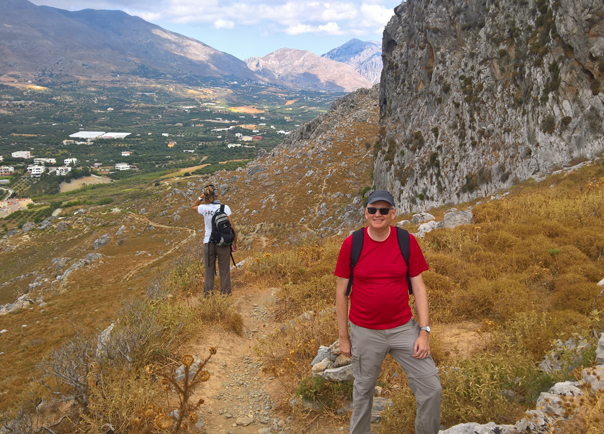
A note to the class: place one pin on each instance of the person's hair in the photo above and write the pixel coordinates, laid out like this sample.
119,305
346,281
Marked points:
209,194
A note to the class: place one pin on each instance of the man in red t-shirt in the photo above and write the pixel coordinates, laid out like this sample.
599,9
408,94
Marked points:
381,320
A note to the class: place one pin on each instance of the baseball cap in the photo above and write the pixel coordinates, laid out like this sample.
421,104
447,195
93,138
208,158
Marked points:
378,195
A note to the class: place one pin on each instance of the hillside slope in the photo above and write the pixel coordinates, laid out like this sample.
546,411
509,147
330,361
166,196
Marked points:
306,70
40,40
476,95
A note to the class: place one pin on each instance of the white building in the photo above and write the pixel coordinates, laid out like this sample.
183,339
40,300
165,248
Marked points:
122,166
63,170
43,161
234,145
1,158
7,170
126,153
70,161
36,171
21,154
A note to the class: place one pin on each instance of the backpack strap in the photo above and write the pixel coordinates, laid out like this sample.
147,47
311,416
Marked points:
355,254
221,208
403,243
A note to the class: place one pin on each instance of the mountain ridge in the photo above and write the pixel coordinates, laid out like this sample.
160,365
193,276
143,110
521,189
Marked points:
40,42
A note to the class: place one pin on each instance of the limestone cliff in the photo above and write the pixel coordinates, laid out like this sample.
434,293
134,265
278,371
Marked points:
476,94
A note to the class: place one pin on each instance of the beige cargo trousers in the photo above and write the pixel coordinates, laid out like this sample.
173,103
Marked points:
369,348
212,253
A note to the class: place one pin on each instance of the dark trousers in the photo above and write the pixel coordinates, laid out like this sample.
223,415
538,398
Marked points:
211,254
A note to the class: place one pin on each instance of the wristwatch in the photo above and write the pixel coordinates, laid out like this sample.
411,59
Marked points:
425,329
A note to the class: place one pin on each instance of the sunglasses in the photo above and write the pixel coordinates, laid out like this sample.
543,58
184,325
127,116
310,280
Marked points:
383,211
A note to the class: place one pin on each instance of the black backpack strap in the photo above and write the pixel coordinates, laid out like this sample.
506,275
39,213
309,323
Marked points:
221,208
403,243
233,259
355,254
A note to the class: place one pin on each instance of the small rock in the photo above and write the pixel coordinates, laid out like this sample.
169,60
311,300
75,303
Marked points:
244,421
595,377
341,374
322,365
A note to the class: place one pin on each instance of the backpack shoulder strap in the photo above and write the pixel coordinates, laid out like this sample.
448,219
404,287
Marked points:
403,243
355,254
221,208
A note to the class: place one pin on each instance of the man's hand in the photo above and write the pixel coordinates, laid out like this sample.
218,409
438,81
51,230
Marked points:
345,346
422,346
234,247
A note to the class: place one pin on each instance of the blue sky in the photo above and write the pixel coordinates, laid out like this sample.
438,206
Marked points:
246,28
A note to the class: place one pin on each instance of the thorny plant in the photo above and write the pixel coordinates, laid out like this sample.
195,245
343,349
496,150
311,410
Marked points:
152,418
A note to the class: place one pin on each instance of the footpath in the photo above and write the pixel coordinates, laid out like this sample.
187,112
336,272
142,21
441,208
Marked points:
239,397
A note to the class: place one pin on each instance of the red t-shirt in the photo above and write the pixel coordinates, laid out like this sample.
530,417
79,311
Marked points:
380,299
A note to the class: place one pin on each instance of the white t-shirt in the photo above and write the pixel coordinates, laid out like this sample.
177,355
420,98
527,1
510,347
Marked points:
208,211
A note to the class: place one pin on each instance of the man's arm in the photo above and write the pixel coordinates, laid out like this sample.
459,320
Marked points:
342,312
422,344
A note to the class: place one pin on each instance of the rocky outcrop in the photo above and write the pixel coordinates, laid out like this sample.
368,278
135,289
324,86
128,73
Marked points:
477,94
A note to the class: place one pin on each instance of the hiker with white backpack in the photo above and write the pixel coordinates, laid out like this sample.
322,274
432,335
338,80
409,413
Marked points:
219,241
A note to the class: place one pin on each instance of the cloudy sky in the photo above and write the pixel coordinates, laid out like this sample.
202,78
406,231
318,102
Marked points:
246,28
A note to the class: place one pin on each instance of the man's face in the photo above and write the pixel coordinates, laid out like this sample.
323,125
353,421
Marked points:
377,220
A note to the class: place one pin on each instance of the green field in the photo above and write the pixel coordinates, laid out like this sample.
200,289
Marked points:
154,114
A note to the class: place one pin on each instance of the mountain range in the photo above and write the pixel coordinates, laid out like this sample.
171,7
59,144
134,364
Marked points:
40,42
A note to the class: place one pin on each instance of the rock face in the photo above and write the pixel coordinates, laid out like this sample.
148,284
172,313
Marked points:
364,56
477,94
306,70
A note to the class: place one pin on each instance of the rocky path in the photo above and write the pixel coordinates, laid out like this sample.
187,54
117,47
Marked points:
239,397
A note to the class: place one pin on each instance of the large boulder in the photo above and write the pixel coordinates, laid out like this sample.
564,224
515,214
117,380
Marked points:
456,218
100,242
422,217
28,227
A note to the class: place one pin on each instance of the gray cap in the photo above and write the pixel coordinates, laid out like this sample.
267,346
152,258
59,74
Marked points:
378,195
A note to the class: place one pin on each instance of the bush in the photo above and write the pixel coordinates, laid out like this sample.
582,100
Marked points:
105,201
328,394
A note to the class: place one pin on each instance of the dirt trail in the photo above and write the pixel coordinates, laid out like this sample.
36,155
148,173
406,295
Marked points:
192,234
238,392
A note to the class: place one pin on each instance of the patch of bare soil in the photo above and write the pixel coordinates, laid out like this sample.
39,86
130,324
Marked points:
239,397
82,182
461,340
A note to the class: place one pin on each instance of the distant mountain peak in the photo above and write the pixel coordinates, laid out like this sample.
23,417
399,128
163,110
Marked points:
364,56
304,69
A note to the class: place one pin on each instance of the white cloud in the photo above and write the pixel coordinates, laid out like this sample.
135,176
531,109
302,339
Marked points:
294,17
329,28
224,24
374,15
